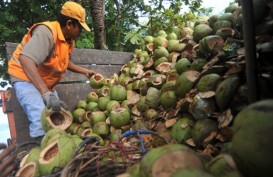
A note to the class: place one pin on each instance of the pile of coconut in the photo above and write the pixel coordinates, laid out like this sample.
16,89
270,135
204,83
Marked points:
186,87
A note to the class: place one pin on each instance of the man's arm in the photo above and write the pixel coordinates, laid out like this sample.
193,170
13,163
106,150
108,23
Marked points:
30,69
78,69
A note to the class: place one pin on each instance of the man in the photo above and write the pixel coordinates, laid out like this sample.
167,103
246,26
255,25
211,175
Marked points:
41,60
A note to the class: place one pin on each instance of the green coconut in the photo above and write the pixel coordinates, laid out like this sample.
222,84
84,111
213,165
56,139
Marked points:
201,31
52,119
98,116
113,104
223,165
52,135
168,99
225,90
96,81
118,93
92,106
208,82
86,124
190,172
116,135
160,60
173,45
231,8
210,45
181,130
141,104
182,65
32,156
152,97
227,16
150,114
221,24
213,19
78,115
172,36
133,170
92,97
56,155
252,139
73,128
202,108
119,117
164,160
102,102
198,64
82,104
161,33
148,39
30,169
170,85
76,139
202,129
83,131
100,139
159,41
103,91
101,128
161,52
185,82
184,32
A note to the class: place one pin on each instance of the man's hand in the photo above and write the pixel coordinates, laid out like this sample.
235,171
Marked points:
7,159
89,73
53,102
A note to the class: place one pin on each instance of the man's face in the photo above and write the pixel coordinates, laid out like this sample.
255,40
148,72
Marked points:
75,31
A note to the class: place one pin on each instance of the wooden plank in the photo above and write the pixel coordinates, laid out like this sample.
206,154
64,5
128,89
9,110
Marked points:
105,70
20,119
89,56
82,56
72,93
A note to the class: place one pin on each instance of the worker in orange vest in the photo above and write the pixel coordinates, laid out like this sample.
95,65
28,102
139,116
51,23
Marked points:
41,60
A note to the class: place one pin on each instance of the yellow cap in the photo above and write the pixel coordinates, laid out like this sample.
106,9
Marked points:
74,10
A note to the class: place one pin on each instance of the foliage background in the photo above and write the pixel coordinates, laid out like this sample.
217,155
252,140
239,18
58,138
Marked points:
123,29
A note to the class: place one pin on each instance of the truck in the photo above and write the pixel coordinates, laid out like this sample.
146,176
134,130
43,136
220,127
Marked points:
72,88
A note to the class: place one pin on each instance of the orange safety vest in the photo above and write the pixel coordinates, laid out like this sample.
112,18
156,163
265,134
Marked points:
54,67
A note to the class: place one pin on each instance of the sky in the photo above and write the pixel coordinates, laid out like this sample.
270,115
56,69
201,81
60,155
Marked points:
218,7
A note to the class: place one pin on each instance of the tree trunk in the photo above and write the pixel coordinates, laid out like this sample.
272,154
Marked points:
97,13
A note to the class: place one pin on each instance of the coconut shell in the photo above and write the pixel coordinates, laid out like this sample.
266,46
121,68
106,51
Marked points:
120,117
30,169
190,172
252,139
56,155
185,82
164,160
225,90
181,130
51,119
202,129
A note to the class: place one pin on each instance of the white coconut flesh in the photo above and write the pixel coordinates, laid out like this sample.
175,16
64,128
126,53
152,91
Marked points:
59,120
